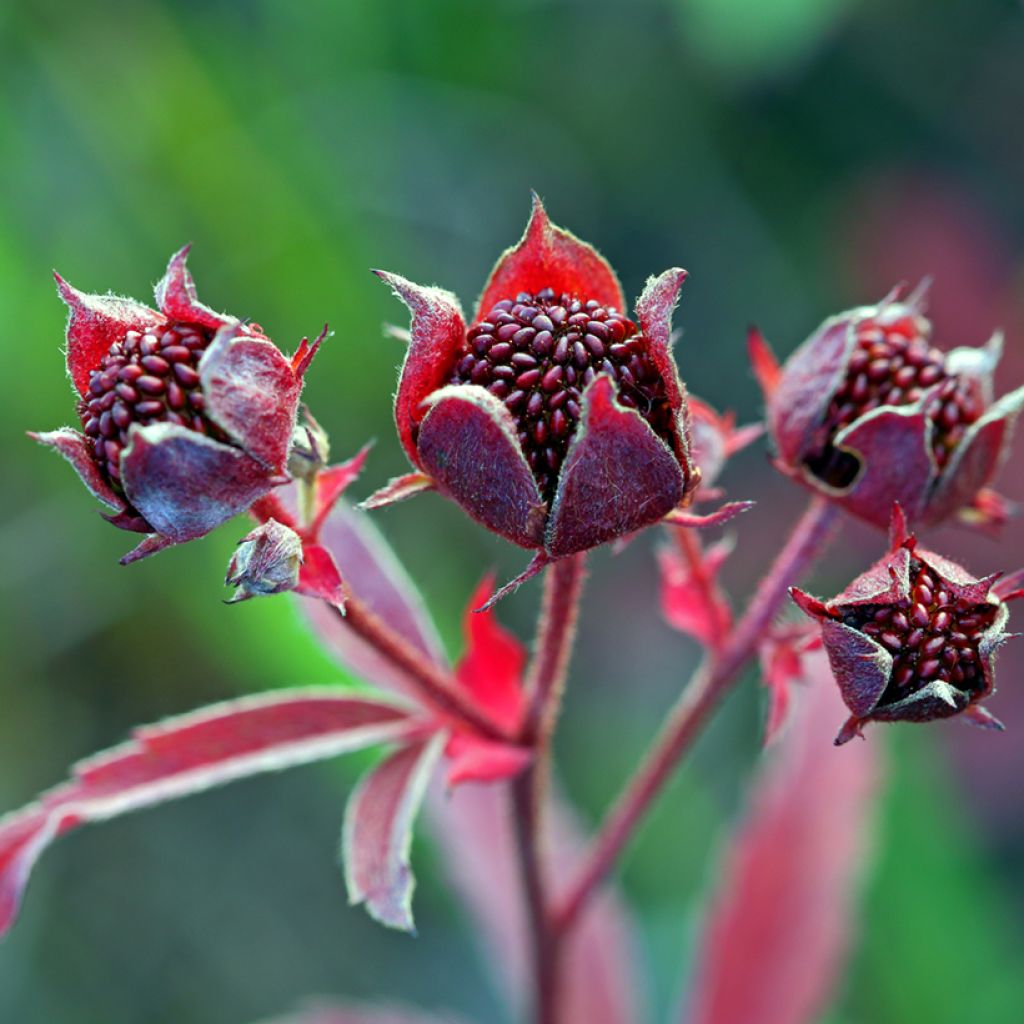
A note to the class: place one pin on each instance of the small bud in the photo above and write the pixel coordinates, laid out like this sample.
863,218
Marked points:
310,451
266,562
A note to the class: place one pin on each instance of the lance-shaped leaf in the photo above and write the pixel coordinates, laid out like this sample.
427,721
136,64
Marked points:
375,1013
378,832
189,754
474,828
780,923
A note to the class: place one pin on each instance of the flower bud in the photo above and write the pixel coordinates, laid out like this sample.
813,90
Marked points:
266,561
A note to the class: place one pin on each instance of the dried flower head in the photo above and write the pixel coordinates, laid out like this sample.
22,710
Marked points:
869,412
914,637
553,419
187,415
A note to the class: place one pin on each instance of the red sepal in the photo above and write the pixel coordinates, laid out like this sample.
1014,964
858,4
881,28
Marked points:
176,296
618,476
437,331
550,257
95,322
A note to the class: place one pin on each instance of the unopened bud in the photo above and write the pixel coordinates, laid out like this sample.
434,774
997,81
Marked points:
266,561
310,450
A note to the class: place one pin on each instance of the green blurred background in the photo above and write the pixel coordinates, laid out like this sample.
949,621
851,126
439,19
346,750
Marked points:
798,156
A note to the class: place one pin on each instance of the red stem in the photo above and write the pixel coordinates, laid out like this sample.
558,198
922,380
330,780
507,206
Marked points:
712,680
436,685
556,631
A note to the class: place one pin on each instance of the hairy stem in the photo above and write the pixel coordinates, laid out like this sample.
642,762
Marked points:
556,631
712,680
435,684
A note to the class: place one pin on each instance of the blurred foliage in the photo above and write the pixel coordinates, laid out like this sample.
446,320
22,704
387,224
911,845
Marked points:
794,155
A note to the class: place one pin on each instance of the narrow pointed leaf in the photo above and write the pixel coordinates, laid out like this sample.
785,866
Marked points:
378,832
781,921
189,754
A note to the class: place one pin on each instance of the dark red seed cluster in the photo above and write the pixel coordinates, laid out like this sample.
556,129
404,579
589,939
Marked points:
893,364
537,353
145,378
931,636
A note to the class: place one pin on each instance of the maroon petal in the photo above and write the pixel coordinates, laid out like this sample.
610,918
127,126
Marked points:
378,832
978,457
801,396
654,310
979,364
468,445
77,449
251,393
176,296
977,715
618,476
95,322
437,330
861,667
551,257
184,483
894,449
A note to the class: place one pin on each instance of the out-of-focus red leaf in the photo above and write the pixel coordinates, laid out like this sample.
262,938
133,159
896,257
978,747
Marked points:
373,572
378,832
779,926
491,670
191,753
783,656
691,599
474,829
473,759
378,1013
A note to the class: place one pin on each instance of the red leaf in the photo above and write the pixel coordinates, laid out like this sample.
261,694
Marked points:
783,657
491,670
780,924
189,754
691,599
550,257
331,484
474,829
378,832
478,760
319,577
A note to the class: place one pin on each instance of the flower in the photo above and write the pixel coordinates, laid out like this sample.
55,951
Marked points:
187,414
553,419
869,413
914,637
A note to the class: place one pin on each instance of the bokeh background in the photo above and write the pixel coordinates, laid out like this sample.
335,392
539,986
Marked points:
798,156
